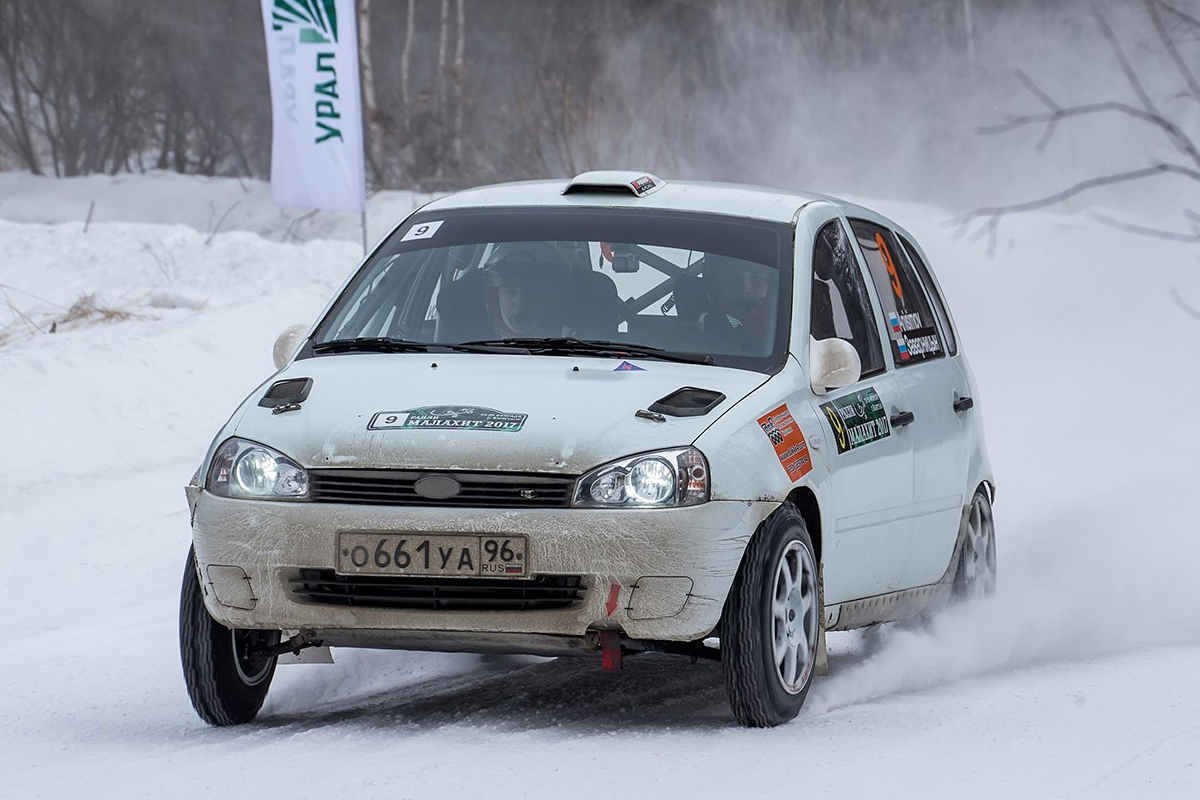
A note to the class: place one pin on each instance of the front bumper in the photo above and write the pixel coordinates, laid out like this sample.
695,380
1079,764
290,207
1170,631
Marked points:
672,569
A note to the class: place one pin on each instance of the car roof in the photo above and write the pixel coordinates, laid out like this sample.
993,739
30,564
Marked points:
620,189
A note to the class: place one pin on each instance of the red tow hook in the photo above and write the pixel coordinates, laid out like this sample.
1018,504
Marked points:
610,650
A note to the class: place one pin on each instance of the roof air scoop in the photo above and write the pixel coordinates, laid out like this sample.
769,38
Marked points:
616,181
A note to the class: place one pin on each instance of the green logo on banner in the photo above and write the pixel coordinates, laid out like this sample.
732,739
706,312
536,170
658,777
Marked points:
317,19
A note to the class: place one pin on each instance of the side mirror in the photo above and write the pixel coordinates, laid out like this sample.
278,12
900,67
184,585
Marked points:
287,344
833,363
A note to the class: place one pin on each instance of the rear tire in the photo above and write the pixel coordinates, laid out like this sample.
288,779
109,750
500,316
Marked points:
225,681
976,576
770,628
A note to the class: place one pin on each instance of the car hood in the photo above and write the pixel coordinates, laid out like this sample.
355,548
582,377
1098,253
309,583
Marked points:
483,412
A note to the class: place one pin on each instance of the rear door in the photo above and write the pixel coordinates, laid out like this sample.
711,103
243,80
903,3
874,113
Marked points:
923,348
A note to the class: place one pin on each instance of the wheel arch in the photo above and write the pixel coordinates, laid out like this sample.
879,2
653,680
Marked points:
805,501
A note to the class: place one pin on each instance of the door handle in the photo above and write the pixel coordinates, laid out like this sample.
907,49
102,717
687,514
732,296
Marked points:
961,404
902,418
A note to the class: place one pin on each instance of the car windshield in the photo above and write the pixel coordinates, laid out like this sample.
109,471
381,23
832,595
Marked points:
602,282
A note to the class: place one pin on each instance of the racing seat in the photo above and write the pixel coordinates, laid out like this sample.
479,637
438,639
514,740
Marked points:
691,298
462,310
598,310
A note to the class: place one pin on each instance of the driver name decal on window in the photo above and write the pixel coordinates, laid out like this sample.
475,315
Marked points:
857,419
788,440
913,338
442,417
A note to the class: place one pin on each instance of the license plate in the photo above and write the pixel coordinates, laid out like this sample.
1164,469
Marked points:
443,555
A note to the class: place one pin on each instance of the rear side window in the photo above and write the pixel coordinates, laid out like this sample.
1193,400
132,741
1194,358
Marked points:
912,328
938,305
841,308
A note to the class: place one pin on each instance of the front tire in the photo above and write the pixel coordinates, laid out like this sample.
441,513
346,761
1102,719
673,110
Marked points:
770,628
226,680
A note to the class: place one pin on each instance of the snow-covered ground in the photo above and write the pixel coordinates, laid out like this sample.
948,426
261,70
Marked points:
1081,678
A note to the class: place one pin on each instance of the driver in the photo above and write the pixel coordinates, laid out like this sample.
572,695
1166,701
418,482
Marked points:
525,295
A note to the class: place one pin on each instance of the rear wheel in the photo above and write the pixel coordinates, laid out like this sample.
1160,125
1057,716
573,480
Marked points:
977,565
227,677
771,625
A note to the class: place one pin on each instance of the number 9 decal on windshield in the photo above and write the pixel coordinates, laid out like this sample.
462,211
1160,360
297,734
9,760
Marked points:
424,230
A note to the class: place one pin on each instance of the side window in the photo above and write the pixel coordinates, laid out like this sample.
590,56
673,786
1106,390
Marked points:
931,289
911,326
841,307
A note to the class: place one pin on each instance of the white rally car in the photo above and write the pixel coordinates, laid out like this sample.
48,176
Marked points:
607,415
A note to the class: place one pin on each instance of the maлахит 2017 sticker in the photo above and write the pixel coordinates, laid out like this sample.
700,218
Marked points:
423,230
857,419
788,440
472,418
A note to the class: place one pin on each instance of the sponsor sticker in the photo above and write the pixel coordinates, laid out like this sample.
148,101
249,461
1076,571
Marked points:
625,366
857,419
788,440
425,230
471,418
642,184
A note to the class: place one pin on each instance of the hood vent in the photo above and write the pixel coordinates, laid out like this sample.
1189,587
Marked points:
688,402
293,391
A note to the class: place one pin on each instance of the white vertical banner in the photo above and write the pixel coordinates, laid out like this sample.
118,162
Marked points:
316,106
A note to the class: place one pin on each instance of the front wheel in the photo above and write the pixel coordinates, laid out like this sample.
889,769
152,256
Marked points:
771,625
227,677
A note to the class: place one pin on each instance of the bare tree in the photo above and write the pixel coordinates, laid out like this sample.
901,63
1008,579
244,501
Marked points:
372,118
17,130
1146,112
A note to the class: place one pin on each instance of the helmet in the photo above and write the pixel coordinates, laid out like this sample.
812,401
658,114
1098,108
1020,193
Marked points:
524,281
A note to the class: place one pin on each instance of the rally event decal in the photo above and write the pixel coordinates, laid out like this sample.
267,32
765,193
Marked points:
472,418
788,440
857,419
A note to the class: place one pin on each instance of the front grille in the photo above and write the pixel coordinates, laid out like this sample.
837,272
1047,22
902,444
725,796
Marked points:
394,487
450,594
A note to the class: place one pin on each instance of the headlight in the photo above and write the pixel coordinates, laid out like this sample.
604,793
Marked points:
662,479
251,470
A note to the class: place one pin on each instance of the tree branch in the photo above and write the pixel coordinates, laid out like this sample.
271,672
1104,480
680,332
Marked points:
1183,15
1183,305
1182,142
1142,230
1169,44
1126,67
993,214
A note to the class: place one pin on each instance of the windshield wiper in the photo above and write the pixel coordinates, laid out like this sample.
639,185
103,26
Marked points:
571,346
370,344
385,344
